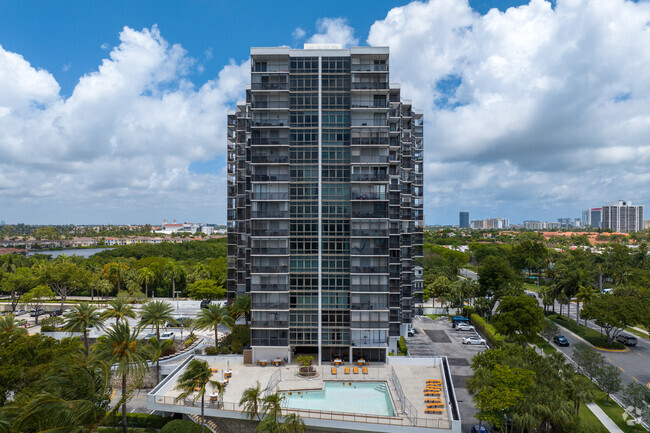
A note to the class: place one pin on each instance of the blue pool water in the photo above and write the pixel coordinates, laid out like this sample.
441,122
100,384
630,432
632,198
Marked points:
369,398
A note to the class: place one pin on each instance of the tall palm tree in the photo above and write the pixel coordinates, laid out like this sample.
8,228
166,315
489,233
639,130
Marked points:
156,313
118,269
82,316
197,376
293,423
155,348
120,346
272,408
251,399
146,276
585,294
9,325
212,317
199,272
241,307
119,308
174,273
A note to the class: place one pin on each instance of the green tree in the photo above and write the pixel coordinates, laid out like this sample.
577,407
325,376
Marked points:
114,272
634,396
146,276
197,376
272,409
213,316
120,346
588,360
241,306
293,423
174,273
119,308
156,314
9,324
496,279
64,277
206,290
80,318
585,295
614,313
18,282
155,349
609,379
520,318
251,400
580,390
36,297
573,272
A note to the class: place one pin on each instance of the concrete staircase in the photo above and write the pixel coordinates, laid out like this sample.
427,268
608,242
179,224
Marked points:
214,428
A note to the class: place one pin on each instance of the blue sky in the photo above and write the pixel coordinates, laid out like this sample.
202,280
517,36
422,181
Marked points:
113,111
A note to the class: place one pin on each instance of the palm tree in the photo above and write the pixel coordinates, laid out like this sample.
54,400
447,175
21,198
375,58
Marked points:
117,269
195,377
199,272
293,423
9,325
120,346
174,273
251,399
119,308
156,313
212,317
585,294
155,348
146,276
272,408
241,307
82,316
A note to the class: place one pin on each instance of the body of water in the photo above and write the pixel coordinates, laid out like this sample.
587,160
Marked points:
82,252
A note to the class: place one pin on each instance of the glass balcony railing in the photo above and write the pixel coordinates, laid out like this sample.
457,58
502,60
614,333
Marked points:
369,324
369,269
369,232
369,86
270,196
271,232
263,159
270,178
269,86
270,214
270,305
270,251
360,177
367,196
278,269
368,67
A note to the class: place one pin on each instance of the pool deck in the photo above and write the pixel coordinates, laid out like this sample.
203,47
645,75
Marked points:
411,379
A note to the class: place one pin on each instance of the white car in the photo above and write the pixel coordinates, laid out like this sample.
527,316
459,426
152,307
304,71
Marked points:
474,340
167,336
464,327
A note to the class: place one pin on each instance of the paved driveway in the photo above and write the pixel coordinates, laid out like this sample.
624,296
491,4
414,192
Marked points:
438,338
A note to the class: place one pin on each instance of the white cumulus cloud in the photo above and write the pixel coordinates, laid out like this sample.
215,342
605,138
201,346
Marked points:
122,143
333,31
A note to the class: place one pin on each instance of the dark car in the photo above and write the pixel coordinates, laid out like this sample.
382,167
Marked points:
560,340
476,429
205,303
628,340
55,313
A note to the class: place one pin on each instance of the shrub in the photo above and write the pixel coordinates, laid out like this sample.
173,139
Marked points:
402,346
130,430
180,426
236,346
142,420
487,330
190,340
48,328
211,350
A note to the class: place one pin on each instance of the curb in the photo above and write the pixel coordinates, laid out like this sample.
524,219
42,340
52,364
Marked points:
627,349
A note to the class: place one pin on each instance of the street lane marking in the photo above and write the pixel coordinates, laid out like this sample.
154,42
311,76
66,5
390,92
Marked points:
635,378
609,360
621,369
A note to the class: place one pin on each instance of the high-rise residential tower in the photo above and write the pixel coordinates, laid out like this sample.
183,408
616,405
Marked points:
463,219
325,203
622,216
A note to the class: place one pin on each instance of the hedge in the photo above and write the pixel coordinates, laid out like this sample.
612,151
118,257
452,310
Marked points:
143,420
591,335
130,430
402,346
180,426
488,331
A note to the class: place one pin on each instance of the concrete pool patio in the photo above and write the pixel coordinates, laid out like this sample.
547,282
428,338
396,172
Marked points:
405,381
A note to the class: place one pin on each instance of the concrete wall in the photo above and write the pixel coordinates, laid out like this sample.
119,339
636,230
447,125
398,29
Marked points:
270,353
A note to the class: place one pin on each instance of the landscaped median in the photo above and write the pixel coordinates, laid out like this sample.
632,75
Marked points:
590,335
488,331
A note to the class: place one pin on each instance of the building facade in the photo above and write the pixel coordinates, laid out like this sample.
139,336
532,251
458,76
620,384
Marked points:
463,219
325,203
622,216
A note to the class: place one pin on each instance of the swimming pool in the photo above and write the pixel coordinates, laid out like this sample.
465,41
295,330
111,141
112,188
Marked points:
371,398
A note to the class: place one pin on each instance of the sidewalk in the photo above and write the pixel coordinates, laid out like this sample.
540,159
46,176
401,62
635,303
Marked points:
603,418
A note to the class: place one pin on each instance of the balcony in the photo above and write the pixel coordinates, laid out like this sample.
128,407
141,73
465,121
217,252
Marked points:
367,196
369,214
270,196
270,269
270,178
270,214
264,105
272,141
368,233
369,270
369,342
369,306
270,306
359,177
373,104
269,86
270,288
369,325
270,251
269,324
369,86
368,67
263,159
270,123
272,232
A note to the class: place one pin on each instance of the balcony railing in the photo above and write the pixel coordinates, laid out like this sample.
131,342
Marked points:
265,123
270,104
270,214
269,141
366,67
261,159
369,306
369,324
369,86
270,288
367,196
374,104
269,324
369,342
270,305
369,269
270,196
269,86
358,177
270,251
270,269
368,251
275,232
270,178
369,233
368,214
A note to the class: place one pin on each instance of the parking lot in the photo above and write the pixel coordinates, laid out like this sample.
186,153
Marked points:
438,338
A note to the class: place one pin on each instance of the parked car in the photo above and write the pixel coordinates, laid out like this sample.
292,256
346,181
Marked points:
464,327
476,429
33,312
167,335
55,313
411,332
149,335
474,340
20,312
560,340
532,295
205,303
607,291
628,340
458,319
177,323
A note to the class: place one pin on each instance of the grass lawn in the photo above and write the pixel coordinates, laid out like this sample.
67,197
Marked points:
545,346
531,287
613,410
433,316
635,332
589,422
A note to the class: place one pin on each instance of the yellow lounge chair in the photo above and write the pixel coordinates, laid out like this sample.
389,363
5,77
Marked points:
365,370
334,371
431,394
434,381
432,410
433,400
432,405
347,370
355,370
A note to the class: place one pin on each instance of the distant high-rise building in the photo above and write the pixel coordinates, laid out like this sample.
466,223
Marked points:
463,219
325,203
622,216
585,218
2,222
596,217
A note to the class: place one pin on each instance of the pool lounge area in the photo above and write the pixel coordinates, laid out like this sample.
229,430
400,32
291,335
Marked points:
382,398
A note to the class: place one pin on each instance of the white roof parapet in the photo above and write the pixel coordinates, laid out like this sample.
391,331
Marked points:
323,46
394,86
317,49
